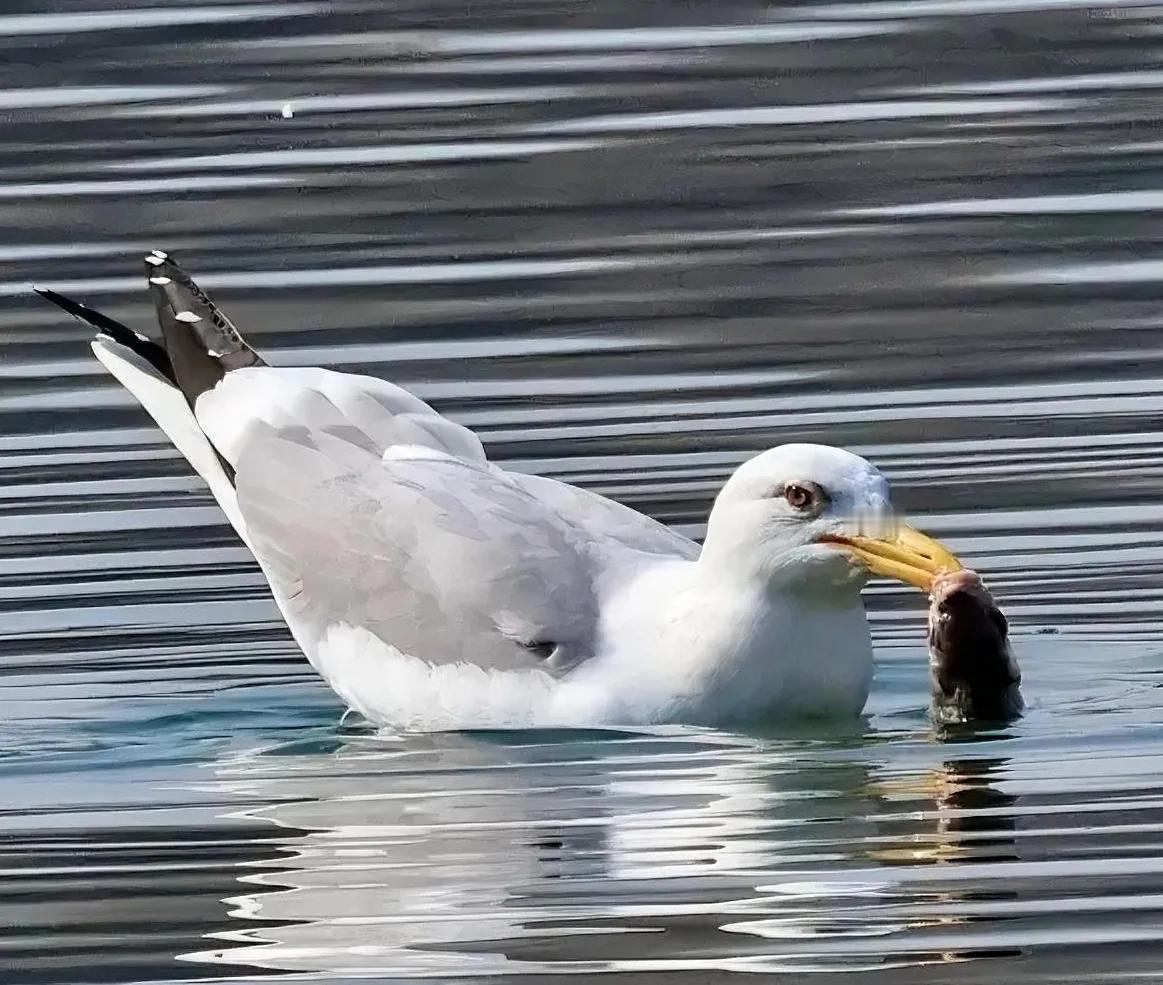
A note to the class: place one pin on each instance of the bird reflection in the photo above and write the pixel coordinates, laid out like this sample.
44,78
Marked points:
477,854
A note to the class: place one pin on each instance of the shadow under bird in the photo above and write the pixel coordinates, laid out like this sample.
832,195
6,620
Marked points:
434,589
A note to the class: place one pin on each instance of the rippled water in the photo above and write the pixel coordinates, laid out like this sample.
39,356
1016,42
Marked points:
629,243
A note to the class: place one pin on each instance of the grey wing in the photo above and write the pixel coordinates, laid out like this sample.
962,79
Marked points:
370,413
606,518
444,559
379,417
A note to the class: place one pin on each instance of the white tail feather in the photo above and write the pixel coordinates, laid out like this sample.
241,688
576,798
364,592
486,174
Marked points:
165,404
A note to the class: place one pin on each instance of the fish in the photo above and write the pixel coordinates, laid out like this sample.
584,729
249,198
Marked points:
975,676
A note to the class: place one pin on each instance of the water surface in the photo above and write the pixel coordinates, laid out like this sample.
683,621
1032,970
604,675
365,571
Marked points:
630,244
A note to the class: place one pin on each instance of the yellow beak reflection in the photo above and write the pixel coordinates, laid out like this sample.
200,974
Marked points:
909,556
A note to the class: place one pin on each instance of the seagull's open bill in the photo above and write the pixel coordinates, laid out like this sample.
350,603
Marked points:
434,589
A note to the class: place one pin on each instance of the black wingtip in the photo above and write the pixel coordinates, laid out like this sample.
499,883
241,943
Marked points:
103,323
187,314
111,329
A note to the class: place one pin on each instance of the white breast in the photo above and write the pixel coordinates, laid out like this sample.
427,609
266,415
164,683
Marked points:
687,652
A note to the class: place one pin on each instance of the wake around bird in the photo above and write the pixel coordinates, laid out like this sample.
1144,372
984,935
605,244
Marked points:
433,589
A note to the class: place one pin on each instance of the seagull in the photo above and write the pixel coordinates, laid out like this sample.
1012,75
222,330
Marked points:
433,589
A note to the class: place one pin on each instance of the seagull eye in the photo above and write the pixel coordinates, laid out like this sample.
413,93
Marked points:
799,496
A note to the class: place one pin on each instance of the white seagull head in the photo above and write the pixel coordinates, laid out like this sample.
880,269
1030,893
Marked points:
815,517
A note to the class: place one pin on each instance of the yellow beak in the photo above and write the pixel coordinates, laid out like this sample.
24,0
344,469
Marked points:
909,556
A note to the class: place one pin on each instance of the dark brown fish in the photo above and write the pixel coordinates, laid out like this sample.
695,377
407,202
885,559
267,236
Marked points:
974,674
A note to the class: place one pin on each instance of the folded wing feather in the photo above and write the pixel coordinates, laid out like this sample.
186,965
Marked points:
368,509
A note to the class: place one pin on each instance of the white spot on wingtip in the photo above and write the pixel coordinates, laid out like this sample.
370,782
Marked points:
155,260
160,254
288,111
160,281
188,316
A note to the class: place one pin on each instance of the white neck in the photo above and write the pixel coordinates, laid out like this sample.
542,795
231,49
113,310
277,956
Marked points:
725,644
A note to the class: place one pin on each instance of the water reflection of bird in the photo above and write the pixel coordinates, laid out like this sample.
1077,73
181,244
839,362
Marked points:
469,855
432,588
